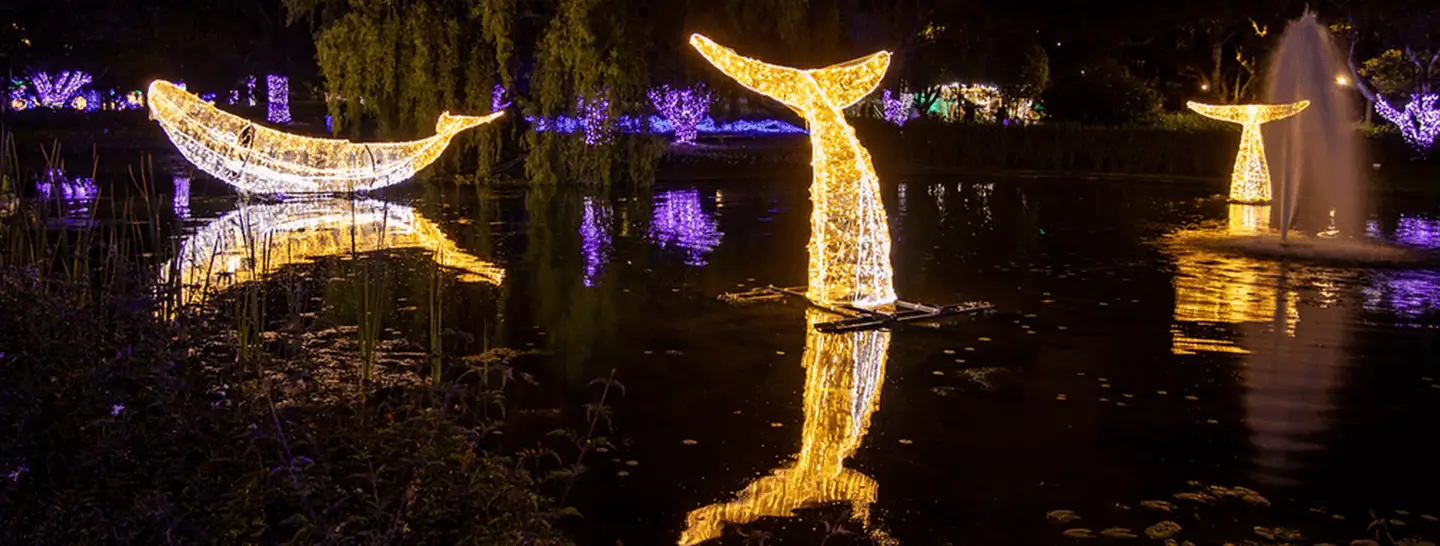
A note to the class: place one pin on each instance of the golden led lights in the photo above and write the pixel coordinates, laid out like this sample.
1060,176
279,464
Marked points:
1250,181
843,376
1215,288
257,240
849,237
257,159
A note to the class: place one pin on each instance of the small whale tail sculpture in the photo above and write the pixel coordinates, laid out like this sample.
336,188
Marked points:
849,236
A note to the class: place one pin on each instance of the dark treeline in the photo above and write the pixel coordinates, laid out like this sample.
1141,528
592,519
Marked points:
388,67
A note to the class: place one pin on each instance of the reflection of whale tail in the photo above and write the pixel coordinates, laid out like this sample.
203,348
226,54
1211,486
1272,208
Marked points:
451,124
838,85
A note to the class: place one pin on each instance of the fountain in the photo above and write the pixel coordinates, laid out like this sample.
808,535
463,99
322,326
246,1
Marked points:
1315,159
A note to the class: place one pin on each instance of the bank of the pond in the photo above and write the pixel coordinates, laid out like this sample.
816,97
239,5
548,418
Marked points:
125,429
1202,154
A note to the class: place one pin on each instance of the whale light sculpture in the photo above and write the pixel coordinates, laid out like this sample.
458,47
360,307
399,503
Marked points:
257,240
258,159
844,373
1250,181
849,237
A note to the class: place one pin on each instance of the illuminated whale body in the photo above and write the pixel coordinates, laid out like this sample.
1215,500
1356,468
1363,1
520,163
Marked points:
258,159
849,237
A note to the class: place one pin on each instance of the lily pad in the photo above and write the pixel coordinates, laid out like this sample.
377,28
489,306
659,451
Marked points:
1061,516
1197,497
1164,506
1118,532
1164,529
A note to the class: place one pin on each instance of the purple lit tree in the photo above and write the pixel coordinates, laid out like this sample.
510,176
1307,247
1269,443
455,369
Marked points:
279,99
897,110
1419,122
497,99
683,108
592,113
57,91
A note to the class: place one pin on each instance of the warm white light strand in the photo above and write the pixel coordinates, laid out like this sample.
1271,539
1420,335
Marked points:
1250,181
849,237
258,159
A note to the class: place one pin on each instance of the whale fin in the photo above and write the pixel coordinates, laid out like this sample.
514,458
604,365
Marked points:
782,83
449,123
846,83
842,84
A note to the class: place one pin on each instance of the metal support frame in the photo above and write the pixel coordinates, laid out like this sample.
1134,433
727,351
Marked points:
857,318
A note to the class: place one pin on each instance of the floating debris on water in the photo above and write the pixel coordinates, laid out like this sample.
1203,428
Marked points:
1060,396
689,442
776,425
906,441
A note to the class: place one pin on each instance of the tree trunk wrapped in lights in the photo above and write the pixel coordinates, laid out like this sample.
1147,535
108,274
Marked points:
849,237
258,159
844,373
1250,181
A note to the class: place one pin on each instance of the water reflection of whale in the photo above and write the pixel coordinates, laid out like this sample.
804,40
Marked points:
1227,303
843,377
257,240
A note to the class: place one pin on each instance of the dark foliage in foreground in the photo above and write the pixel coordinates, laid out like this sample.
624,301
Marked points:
123,429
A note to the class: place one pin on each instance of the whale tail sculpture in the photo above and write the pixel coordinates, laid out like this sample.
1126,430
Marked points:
849,235
1250,180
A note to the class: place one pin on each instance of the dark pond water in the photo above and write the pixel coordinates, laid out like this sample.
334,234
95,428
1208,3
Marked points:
1121,365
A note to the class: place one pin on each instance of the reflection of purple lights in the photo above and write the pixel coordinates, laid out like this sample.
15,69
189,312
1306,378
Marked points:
55,185
279,99
680,221
594,239
1420,232
683,108
658,125
897,110
1419,123
182,196
1408,294
208,97
74,195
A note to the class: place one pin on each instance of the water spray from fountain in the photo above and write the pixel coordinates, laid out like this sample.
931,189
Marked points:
1316,158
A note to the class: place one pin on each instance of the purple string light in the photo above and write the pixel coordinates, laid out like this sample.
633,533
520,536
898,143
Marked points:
1419,122
59,91
279,99
679,220
594,239
250,86
659,125
897,110
592,114
181,202
497,99
683,108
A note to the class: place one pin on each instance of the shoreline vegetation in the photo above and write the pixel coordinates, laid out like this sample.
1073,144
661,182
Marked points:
251,418
1172,148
